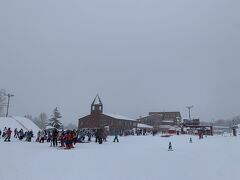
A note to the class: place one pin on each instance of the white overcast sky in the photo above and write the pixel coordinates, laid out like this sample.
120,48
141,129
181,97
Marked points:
139,55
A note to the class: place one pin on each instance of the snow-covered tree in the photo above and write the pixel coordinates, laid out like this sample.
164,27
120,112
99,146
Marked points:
54,120
2,102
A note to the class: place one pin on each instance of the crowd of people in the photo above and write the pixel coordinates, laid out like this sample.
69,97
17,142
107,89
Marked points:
6,134
66,139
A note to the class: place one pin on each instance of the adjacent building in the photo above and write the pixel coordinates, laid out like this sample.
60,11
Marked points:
161,120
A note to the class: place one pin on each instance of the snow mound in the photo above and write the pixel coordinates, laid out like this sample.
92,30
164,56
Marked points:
19,123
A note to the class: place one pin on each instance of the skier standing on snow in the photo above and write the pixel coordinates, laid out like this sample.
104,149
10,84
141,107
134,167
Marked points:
4,132
15,133
0,133
97,136
8,136
42,136
100,135
21,134
170,146
116,137
38,136
69,140
74,136
49,136
55,137
29,136
89,135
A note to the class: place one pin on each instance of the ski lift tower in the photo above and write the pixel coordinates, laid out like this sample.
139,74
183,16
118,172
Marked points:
9,96
189,111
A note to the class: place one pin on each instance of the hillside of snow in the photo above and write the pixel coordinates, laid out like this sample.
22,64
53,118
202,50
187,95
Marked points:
19,123
133,158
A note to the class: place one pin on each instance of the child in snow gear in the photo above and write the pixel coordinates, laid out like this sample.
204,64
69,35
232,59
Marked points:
170,146
116,137
190,140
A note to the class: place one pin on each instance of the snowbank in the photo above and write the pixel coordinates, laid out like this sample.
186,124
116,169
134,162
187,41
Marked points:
19,123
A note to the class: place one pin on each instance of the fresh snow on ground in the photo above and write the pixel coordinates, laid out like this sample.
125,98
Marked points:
133,158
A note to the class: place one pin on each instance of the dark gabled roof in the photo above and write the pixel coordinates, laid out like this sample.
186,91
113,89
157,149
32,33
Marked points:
82,118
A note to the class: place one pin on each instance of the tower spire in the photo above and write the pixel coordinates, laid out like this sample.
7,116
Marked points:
97,106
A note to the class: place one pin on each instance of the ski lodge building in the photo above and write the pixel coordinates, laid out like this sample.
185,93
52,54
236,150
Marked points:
162,121
97,119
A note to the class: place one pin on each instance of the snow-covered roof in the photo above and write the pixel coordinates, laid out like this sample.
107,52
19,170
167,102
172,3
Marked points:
140,125
119,117
168,121
19,123
221,127
49,127
174,128
165,126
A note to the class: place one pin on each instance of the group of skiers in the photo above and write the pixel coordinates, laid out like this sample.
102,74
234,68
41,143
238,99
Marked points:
66,138
7,133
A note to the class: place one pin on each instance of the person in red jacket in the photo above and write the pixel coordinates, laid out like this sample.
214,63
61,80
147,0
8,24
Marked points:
9,133
69,140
